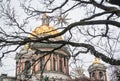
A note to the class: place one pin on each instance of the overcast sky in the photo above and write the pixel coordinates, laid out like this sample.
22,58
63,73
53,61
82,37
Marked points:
75,15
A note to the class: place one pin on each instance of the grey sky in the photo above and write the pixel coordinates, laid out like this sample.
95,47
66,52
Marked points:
74,15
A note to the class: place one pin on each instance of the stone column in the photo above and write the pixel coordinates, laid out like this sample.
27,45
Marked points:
63,65
105,76
52,62
58,68
45,59
97,75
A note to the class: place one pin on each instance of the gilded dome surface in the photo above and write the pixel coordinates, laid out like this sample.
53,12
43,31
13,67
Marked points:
44,30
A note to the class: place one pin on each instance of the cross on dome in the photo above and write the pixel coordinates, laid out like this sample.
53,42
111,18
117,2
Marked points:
45,19
96,61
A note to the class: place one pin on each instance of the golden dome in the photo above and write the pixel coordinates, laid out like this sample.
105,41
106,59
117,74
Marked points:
44,30
96,61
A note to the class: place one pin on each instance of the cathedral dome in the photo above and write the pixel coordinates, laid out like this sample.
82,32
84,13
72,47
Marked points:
96,65
42,31
99,66
45,30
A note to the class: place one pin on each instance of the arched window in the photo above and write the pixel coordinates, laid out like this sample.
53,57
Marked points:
54,64
101,76
41,63
93,75
27,68
27,65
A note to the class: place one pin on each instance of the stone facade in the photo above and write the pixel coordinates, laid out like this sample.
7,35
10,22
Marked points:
39,60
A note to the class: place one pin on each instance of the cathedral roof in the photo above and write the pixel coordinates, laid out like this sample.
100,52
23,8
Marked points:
96,65
44,30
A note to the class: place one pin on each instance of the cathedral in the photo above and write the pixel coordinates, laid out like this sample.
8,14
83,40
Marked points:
40,61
